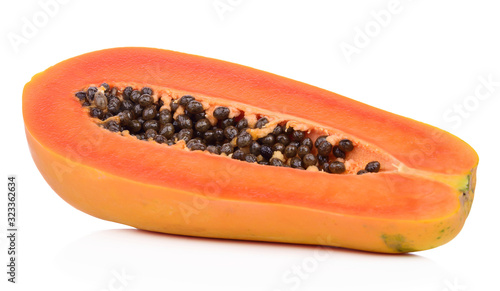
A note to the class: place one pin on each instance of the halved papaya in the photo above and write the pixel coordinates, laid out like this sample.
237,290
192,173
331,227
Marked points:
121,134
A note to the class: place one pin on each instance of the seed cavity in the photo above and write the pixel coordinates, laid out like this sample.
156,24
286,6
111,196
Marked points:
188,122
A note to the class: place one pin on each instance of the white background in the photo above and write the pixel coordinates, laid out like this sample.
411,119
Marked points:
424,62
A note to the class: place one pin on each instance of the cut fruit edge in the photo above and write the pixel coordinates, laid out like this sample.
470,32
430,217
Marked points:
414,144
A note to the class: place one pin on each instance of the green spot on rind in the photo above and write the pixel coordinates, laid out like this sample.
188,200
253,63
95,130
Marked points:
466,188
398,243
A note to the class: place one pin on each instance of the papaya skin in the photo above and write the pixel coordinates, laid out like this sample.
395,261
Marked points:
420,205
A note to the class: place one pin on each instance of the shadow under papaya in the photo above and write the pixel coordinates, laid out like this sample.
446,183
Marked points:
167,261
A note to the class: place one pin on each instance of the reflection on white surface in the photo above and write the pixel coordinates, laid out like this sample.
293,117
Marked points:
130,259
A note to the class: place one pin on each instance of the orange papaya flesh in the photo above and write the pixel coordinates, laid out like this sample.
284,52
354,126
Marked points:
419,200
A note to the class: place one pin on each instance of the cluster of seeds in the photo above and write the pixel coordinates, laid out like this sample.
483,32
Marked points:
146,119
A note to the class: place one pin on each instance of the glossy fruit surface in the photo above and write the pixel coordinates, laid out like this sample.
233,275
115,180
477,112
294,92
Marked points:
419,199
